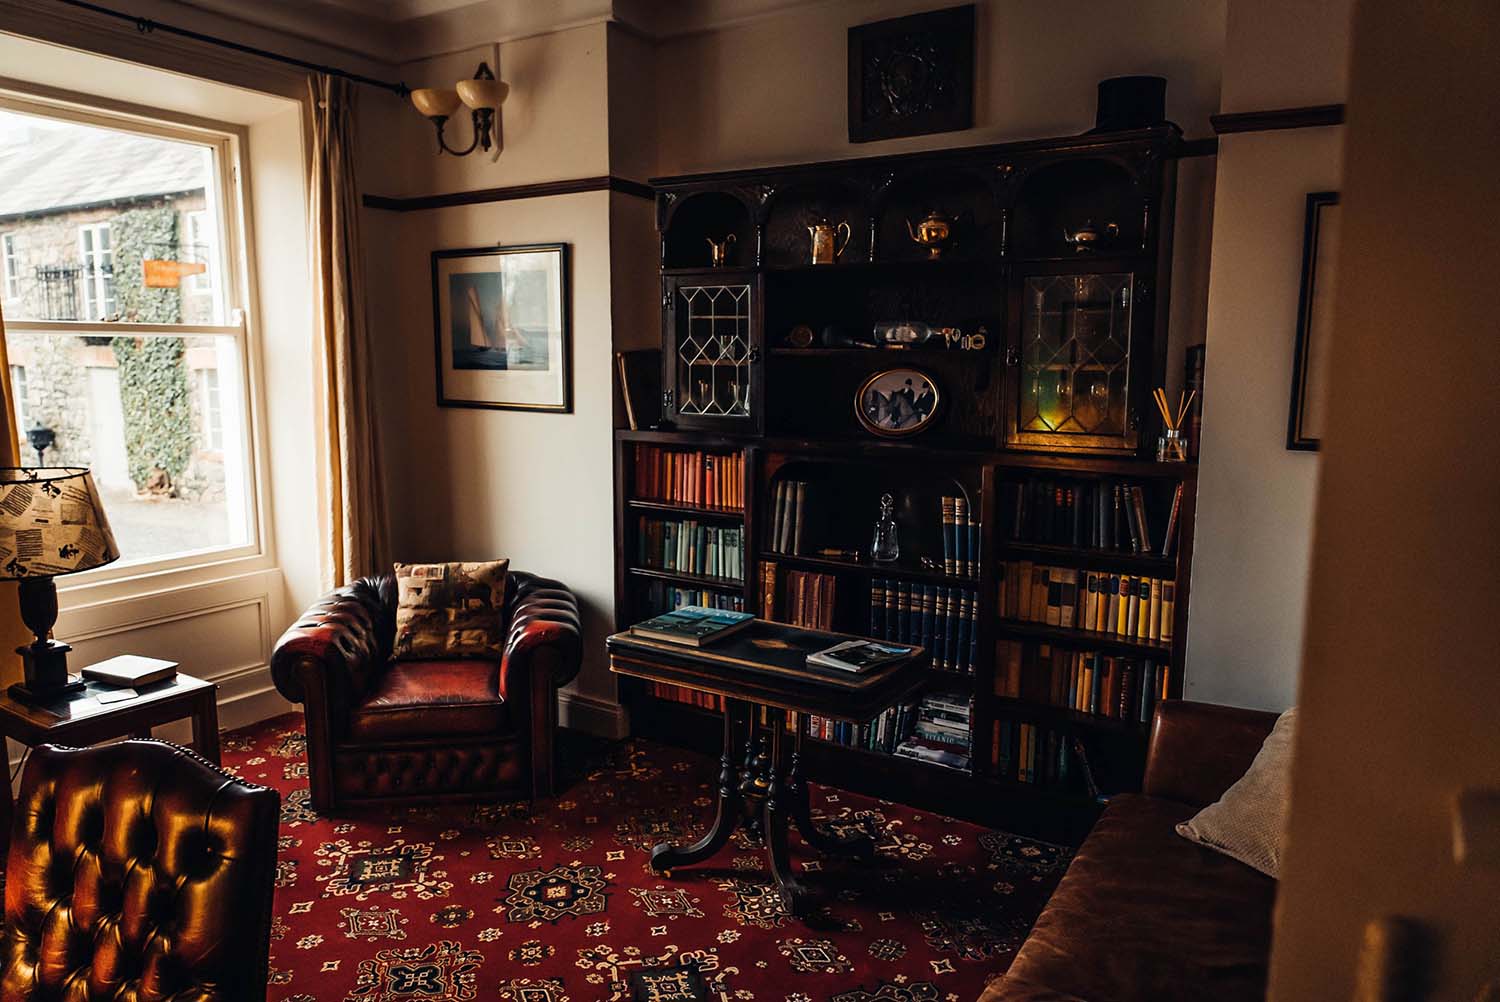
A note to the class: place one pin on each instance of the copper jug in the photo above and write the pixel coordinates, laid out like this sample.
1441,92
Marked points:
825,245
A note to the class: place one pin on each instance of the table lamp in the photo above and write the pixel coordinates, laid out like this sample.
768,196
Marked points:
51,522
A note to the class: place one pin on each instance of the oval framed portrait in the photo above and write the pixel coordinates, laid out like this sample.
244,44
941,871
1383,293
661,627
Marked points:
895,403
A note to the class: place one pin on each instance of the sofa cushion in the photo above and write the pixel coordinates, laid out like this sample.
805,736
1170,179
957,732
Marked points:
1248,823
1144,914
431,699
451,610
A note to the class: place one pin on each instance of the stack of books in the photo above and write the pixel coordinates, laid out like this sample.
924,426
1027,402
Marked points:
789,511
1028,753
1126,605
942,619
941,733
960,538
690,478
882,734
689,697
693,626
691,548
807,598
1100,514
664,597
1086,681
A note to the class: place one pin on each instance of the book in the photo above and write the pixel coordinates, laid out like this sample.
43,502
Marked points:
799,506
860,656
131,670
693,626
1170,536
949,536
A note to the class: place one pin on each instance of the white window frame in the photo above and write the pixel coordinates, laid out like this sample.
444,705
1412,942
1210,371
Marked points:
18,390
229,208
98,285
200,230
10,265
211,410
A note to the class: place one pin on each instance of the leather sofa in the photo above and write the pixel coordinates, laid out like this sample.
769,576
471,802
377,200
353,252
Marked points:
137,870
1143,913
384,731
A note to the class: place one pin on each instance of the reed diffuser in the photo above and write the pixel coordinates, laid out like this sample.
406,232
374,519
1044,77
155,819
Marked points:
1171,447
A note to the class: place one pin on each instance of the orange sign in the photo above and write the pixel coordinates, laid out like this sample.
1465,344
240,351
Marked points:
168,274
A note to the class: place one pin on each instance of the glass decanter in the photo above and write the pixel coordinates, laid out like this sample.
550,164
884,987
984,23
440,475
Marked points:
886,545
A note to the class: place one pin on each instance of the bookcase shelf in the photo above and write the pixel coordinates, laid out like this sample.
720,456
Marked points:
1009,265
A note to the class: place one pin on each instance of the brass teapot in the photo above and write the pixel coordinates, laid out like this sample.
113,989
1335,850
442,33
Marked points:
1087,237
933,232
825,246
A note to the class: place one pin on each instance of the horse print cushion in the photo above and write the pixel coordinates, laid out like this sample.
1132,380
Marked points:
450,610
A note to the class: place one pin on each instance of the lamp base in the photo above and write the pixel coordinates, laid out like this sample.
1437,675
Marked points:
22,693
45,667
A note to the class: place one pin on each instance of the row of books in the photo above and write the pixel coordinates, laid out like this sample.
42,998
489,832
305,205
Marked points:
942,619
883,734
1137,608
694,478
1102,514
960,537
1028,753
662,596
691,548
788,512
689,697
1118,688
806,597
941,732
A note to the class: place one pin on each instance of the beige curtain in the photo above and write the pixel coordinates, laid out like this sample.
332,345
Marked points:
354,502
13,632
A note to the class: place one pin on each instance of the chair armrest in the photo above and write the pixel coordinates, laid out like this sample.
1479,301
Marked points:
545,636
1199,750
343,641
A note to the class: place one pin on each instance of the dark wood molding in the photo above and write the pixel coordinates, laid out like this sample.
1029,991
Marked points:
1205,147
544,189
1283,118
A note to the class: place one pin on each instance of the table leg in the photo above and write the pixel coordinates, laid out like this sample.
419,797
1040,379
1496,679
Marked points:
206,724
779,810
730,811
799,804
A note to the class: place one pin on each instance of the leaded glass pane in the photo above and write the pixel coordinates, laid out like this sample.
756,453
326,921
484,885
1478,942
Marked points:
713,351
1075,360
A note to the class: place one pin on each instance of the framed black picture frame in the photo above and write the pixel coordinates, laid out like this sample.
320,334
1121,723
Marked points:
898,402
912,75
502,327
1306,412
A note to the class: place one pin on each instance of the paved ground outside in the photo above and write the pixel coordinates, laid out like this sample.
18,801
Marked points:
147,528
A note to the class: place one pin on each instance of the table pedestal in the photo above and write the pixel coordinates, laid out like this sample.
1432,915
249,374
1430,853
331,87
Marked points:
766,790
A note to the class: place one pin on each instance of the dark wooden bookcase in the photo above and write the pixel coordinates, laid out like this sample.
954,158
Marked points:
1060,392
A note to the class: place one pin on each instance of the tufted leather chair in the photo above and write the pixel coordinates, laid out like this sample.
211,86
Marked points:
137,871
382,731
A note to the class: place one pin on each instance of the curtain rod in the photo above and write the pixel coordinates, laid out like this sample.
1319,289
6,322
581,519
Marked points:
146,26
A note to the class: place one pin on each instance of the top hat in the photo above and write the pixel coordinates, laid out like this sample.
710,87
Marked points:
1137,102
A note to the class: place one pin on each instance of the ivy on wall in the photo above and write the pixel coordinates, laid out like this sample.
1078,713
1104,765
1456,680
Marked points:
154,392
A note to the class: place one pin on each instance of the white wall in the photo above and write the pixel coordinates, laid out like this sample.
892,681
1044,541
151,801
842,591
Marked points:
1256,498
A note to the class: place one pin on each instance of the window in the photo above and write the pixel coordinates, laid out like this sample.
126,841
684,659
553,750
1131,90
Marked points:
10,264
18,394
98,271
210,411
128,361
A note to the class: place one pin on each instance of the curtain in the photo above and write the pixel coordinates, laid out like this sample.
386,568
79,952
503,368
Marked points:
13,632
354,504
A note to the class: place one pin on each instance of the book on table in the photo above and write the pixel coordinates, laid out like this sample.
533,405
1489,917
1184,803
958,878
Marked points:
131,670
860,655
693,625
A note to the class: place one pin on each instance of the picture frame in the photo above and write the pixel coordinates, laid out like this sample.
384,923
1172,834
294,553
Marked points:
898,402
1307,410
501,326
912,75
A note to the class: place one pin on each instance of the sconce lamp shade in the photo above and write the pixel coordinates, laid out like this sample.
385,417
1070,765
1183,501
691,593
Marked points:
52,522
436,102
481,94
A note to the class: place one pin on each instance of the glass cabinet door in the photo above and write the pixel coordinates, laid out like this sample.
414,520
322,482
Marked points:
712,354
1074,384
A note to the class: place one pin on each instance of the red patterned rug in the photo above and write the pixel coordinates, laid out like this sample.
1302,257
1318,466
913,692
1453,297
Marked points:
494,901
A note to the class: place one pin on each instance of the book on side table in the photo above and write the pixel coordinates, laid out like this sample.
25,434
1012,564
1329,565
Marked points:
693,625
860,655
131,670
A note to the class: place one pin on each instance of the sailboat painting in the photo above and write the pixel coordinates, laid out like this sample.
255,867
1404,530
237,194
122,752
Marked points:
501,322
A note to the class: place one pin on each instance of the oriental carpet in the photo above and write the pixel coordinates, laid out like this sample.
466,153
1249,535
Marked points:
500,902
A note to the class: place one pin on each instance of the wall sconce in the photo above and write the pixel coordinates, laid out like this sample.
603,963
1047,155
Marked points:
483,95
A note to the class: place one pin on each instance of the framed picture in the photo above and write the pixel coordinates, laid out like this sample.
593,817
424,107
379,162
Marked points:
909,76
1320,242
895,403
501,335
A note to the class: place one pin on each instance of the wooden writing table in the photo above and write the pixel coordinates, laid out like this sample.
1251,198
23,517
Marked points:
764,665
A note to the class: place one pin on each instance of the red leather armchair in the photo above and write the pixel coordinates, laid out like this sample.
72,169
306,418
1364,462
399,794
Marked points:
420,731
137,871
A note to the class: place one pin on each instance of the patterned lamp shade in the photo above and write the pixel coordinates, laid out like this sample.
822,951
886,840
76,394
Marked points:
52,522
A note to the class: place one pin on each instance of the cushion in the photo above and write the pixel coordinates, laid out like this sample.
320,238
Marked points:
1144,915
1248,822
450,610
431,699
